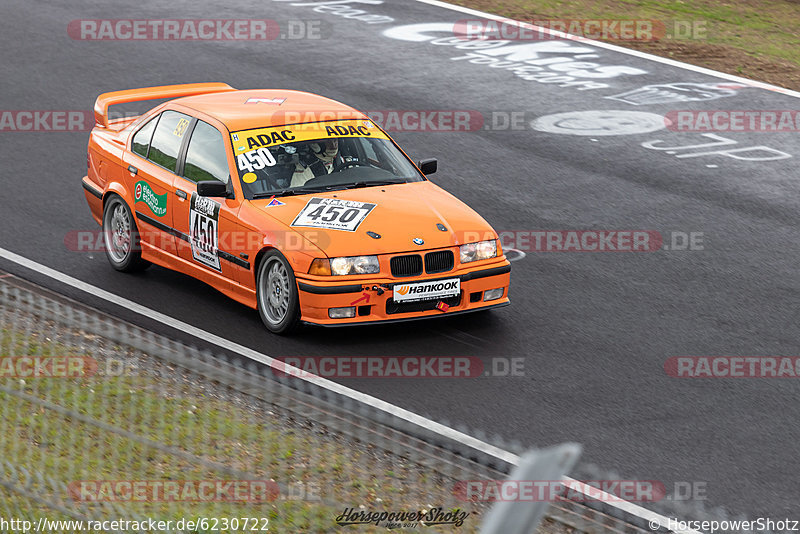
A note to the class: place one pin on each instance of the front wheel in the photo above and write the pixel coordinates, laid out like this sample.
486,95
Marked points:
276,291
121,237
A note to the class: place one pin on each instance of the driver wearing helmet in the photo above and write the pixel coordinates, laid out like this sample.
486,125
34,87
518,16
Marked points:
316,159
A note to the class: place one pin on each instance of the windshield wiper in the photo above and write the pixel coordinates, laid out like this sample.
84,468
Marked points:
372,183
331,187
289,192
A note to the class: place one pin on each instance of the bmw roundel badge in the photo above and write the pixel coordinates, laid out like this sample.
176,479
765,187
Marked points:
418,241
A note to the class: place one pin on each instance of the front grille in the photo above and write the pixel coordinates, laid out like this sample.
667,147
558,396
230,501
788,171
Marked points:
403,266
439,262
393,307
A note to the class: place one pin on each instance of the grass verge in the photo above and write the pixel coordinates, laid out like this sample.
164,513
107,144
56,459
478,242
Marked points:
756,39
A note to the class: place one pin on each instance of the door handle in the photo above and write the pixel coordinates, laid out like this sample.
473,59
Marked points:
181,194
133,170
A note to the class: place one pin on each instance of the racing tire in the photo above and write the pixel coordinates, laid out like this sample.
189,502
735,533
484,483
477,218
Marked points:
121,236
276,294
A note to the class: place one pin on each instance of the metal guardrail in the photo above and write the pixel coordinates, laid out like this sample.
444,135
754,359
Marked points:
151,409
148,410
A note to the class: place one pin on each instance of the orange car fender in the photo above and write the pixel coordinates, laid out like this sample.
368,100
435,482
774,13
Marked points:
265,233
121,190
299,260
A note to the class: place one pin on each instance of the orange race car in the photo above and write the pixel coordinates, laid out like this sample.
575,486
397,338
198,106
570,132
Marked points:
288,202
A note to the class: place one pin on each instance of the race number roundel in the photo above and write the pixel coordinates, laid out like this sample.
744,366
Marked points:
333,214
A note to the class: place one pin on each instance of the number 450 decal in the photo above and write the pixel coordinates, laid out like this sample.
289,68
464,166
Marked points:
204,230
333,214
255,160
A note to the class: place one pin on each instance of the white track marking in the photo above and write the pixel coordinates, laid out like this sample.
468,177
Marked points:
369,400
615,48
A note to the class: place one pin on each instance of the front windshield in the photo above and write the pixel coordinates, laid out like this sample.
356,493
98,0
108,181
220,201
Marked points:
320,156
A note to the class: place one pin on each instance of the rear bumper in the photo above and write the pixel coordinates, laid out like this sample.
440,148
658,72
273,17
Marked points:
94,197
317,298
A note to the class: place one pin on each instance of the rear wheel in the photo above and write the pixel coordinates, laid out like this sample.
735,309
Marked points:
122,237
276,291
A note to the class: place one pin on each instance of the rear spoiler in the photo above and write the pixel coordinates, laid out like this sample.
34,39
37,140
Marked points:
152,93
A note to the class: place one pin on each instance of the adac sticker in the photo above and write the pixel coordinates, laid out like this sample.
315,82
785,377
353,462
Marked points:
144,193
309,131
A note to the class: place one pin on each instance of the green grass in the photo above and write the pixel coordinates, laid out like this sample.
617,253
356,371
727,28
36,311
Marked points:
754,31
202,423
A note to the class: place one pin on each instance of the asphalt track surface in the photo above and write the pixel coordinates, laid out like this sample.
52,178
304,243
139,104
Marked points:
594,329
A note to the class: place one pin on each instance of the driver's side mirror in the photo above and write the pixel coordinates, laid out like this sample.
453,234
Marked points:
212,188
428,166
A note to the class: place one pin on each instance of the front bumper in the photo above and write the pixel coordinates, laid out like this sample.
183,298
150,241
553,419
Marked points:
378,306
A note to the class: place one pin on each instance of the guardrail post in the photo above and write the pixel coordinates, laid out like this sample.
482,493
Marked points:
522,517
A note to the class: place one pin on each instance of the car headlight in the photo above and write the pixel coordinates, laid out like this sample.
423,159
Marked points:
482,250
350,265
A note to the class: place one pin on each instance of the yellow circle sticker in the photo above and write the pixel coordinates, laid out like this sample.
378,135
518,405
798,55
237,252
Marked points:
249,178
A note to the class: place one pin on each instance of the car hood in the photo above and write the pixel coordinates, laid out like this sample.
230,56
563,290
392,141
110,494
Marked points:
402,213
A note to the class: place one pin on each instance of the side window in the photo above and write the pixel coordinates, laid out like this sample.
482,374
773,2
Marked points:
206,158
141,141
167,139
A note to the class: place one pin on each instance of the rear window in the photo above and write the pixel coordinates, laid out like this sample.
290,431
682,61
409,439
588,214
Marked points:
141,141
167,139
